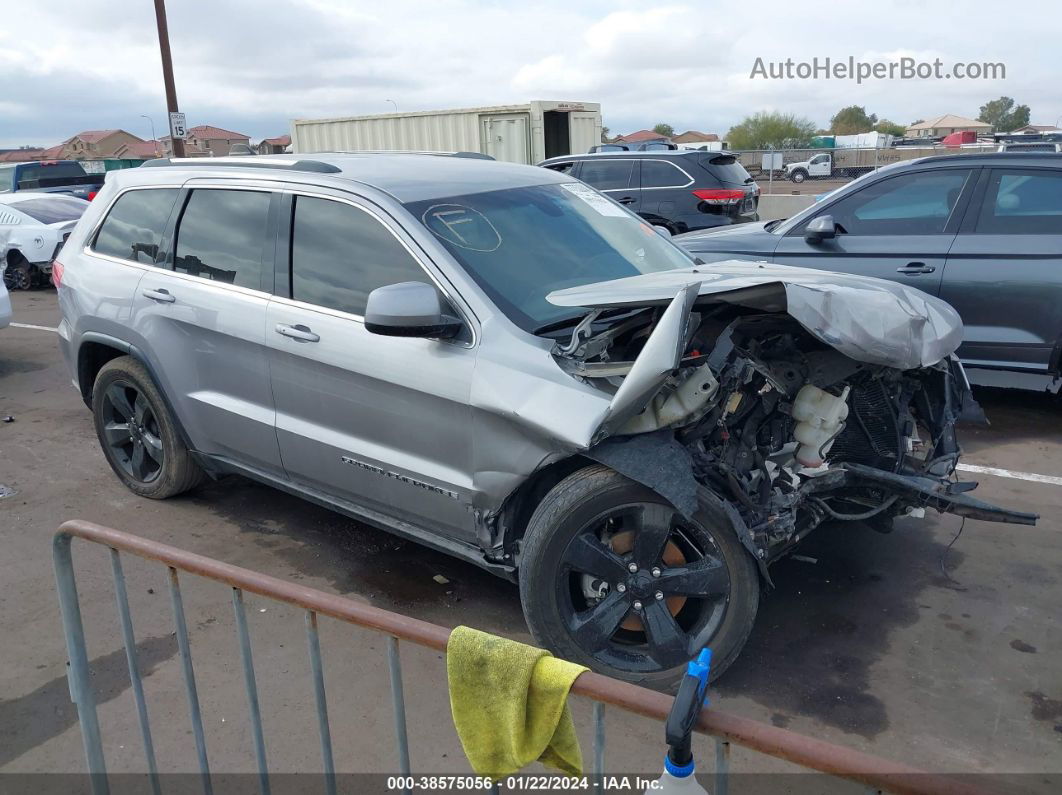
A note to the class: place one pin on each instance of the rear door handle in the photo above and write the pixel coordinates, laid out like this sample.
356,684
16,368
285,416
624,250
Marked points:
300,333
160,295
916,267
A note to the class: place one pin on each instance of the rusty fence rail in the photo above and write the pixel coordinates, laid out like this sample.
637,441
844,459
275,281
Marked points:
874,773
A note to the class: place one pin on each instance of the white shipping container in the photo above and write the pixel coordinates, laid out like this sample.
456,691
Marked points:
514,133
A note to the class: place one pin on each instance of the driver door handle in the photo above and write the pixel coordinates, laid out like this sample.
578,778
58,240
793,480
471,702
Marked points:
300,333
916,267
160,295
626,200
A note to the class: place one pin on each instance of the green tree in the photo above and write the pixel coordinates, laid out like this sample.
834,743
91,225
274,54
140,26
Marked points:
890,128
605,134
766,130
852,121
664,129
916,121
1004,115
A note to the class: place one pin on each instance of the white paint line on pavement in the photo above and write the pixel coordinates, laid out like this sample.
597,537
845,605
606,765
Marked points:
35,328
1008,473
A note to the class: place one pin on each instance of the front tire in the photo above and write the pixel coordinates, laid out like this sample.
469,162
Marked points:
614,578
798,176
137,433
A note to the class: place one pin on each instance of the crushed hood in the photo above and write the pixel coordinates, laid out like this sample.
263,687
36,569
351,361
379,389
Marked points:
869,320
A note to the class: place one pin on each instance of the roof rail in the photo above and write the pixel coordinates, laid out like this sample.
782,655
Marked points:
469,155
247,162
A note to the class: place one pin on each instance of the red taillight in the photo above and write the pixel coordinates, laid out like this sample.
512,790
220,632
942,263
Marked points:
92,195
720,196
57,273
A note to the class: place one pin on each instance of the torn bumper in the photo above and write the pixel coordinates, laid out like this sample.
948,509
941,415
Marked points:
946,497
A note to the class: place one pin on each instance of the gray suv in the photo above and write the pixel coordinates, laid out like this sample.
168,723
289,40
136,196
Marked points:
502,363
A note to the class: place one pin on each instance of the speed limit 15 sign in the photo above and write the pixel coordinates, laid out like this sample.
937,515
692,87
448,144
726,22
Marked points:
178,128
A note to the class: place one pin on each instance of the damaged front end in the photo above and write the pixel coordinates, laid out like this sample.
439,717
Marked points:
794,396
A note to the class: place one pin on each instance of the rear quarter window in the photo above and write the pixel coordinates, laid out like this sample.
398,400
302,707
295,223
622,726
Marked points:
135,224
725,168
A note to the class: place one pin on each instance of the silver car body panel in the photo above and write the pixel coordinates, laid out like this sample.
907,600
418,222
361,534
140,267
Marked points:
869,320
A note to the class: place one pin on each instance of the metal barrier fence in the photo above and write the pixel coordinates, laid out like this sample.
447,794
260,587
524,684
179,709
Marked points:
787,170
873,772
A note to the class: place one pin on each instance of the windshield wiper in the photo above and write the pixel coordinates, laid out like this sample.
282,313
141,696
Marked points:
770,226
556,325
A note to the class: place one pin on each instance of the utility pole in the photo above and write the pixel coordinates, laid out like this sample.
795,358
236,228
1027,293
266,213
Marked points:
167,73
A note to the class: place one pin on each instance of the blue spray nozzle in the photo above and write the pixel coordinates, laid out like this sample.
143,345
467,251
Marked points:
690,699
699,670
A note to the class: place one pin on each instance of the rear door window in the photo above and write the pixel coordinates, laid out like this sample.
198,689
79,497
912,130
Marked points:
340,254
223,236
1025,202
134,226
607,174
663,174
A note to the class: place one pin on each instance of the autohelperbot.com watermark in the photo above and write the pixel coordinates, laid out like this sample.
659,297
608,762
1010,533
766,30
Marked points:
903,68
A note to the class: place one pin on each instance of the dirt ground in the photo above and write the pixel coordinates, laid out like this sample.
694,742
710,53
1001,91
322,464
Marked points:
872,641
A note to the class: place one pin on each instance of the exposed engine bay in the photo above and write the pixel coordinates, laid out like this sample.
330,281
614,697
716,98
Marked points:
784,425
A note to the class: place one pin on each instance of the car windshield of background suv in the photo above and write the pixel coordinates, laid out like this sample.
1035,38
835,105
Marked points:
520,244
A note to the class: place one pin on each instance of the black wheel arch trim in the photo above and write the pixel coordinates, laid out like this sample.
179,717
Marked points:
659,462
131,350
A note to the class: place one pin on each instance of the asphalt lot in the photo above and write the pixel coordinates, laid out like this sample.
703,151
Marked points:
864,642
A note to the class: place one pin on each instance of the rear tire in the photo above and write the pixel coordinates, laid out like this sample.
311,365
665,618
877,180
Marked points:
138,435
563,542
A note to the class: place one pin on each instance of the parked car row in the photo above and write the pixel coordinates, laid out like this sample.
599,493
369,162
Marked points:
502,363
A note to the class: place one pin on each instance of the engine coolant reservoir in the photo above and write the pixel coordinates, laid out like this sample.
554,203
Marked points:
819,417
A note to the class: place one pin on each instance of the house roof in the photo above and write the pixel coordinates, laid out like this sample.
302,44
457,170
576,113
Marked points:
693,136
52,152
950,120
19,155
642,135
280,140
1039,127
95,136
142,149
209,132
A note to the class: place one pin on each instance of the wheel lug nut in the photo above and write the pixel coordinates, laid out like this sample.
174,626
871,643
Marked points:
633,567
621,588
659,596
637,605
656,571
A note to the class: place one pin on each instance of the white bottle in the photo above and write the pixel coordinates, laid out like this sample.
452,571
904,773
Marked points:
676,781
819,416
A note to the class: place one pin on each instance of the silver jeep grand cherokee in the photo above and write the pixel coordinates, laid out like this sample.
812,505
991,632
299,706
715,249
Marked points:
501,363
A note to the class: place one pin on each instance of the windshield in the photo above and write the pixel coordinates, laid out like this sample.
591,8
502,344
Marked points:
50,171
520,244
52,210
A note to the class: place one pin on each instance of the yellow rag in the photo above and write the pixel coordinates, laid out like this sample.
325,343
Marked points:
510,704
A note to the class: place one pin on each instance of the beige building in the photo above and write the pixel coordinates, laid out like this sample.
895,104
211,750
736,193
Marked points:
208,141
946,125
96,144
274,146
694,137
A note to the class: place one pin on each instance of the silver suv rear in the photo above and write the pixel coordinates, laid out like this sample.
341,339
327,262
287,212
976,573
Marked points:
503,364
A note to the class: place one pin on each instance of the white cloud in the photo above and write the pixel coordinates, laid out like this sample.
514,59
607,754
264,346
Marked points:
96,63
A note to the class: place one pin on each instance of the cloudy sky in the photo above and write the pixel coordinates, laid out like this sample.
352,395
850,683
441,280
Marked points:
252,66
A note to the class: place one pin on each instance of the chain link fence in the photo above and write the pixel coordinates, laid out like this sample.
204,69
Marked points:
820,170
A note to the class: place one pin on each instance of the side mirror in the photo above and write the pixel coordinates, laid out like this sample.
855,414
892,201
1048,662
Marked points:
821,228
410,309
663,231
